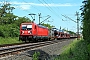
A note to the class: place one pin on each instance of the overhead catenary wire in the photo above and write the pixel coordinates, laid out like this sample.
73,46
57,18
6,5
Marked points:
36,8
69,18
45,5
49,8
56,7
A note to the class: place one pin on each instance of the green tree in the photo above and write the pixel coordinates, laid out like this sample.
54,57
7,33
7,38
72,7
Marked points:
47,25
86,19
6,15
22,20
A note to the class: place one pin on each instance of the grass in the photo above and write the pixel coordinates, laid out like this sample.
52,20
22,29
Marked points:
36,56
77,50
9,40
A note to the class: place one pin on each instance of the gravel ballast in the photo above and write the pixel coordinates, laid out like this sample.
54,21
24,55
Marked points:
46,52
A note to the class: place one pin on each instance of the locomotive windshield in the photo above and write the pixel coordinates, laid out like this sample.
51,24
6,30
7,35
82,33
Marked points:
26,27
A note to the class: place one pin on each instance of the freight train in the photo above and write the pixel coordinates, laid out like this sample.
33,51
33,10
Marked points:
31,31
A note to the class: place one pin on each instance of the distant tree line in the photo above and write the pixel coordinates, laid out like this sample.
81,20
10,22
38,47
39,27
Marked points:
86,19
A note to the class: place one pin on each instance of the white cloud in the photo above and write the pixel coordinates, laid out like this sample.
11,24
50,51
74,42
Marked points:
26,6
38,4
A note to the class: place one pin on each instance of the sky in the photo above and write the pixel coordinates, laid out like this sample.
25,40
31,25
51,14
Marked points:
55,9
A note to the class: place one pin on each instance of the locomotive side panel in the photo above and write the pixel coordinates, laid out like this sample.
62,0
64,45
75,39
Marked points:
34,29
42,31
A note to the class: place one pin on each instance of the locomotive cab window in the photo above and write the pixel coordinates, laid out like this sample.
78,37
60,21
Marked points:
29,27
26,27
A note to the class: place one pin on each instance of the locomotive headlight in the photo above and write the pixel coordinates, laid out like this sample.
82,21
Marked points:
31,32
22,32
28,31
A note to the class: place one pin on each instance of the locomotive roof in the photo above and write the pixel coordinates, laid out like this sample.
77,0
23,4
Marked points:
34,23
41,26
27,23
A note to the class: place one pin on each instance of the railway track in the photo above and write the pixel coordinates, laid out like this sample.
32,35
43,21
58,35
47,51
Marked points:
18,48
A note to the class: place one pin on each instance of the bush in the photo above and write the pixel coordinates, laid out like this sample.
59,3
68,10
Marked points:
9,31
88,48
4,31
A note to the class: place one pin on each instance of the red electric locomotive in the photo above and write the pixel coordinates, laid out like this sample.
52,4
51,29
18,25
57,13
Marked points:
31,31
